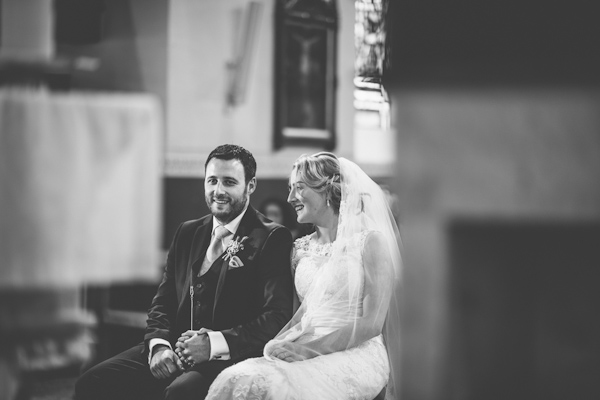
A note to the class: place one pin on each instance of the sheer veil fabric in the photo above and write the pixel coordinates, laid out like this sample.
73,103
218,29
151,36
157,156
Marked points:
338,313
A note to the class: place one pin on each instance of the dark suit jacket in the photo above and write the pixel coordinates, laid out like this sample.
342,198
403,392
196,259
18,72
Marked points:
252,303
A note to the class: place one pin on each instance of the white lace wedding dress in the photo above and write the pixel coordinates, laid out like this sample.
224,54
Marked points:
356,373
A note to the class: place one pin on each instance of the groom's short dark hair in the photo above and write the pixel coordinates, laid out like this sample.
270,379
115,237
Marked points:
235,152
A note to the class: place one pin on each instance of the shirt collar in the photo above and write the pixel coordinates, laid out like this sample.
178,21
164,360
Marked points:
233,225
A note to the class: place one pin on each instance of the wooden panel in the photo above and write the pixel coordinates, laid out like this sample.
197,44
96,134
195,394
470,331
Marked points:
524,304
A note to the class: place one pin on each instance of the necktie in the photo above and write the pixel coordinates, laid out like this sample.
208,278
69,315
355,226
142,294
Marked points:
215,249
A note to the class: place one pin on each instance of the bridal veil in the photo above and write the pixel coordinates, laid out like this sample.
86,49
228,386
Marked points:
340,314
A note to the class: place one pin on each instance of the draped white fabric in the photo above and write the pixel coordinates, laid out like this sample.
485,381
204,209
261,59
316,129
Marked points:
80,188
358,291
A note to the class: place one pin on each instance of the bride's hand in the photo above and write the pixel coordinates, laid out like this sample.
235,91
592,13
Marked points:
291,352
285,352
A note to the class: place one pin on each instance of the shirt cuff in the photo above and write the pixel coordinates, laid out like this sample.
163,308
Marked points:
153,342
219,349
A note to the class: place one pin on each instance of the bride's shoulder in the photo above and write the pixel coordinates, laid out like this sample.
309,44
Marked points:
360,238
302,242
372,241
300,249
367,239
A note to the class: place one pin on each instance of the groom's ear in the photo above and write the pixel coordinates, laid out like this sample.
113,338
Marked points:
251,186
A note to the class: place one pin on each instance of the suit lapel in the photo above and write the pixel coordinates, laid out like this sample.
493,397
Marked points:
244,229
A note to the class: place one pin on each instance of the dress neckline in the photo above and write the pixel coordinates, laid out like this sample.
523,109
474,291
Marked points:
308,244
321,245
322,249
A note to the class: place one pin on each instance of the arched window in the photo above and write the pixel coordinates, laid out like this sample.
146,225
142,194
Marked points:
373,139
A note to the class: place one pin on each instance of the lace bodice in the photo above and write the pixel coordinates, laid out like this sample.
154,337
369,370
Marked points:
310,260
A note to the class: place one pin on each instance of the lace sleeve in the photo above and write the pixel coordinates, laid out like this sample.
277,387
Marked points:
299,244
293,260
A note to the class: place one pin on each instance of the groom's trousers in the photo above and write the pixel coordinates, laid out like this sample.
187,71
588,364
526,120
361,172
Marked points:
127,376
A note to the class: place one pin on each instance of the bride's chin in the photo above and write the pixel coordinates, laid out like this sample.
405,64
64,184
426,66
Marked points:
304,221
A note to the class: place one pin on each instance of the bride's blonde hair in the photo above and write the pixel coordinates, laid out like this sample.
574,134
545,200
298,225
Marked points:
321,172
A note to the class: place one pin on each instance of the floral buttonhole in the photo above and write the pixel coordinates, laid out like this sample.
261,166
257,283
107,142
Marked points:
234,247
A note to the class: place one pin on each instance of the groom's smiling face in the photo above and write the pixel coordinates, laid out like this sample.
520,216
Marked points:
225,188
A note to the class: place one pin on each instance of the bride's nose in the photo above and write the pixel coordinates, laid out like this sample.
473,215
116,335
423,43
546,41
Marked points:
291,195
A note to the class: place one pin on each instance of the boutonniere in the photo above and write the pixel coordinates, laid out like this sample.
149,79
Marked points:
234,247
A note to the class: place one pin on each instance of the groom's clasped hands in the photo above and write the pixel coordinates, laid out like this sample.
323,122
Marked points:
193,347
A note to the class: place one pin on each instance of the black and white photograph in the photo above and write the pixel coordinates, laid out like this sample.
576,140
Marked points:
299,200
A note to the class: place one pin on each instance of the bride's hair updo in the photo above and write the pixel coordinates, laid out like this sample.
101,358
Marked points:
321,172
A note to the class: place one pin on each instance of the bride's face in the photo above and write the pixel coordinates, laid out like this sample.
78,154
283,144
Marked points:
309,204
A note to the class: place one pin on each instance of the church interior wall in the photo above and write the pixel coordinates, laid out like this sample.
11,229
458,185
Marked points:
495,110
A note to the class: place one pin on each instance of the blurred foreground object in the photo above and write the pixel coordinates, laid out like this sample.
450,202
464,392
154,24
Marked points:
24,30
80,188
80,178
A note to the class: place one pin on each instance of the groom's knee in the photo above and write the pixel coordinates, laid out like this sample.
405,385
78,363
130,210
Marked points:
190,385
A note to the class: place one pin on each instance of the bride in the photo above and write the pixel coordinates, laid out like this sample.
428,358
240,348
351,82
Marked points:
339,342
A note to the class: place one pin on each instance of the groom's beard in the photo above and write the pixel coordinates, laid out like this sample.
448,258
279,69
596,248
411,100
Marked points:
227,212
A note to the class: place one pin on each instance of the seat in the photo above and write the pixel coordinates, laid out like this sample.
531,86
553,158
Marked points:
381,395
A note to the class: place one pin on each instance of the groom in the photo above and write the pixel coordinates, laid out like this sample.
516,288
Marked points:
226,291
